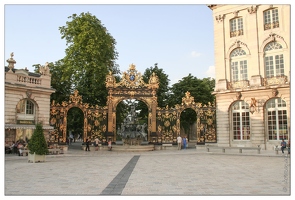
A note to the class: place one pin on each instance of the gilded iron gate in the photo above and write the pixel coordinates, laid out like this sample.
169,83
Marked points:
168,122
163,123
95,119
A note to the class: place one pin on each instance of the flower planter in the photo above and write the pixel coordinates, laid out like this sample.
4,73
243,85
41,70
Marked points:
36,158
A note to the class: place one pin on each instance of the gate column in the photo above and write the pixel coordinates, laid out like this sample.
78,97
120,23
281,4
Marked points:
154,117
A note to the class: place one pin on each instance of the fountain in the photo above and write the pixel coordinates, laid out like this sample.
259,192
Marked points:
131,131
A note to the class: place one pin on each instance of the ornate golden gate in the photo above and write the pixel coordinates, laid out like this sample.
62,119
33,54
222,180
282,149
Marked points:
163,123
132,86
95,118
168,121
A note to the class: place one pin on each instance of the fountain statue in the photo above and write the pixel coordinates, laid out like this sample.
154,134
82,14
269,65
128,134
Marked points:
130,130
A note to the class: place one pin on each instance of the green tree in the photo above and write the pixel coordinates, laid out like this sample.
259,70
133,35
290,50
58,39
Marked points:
90,55
37,144
200,89
61,86
163,83
162,91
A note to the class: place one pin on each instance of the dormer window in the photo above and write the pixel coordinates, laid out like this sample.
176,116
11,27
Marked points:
236,27
271,19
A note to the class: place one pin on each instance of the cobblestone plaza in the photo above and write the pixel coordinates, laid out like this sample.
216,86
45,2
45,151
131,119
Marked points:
187,172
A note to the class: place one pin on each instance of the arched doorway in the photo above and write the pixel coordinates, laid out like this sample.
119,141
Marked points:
131,86
75,119
188,119
131,121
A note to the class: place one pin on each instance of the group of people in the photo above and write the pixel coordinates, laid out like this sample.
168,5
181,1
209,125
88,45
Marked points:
15,147
284,145
96,143
182,142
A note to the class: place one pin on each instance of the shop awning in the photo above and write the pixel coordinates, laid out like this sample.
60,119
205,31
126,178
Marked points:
24,126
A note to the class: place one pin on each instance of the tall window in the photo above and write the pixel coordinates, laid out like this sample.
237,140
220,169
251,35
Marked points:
271,19
236,27
25,110
238,65
277,119
241,121
273,60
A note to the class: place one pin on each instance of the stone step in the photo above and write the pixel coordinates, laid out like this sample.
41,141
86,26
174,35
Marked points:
133,148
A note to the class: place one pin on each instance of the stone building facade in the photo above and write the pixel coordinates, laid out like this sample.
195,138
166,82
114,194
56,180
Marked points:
252,66
27,101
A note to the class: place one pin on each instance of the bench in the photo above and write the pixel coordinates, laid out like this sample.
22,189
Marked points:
54,151
277,149
166,145
25,152
240,148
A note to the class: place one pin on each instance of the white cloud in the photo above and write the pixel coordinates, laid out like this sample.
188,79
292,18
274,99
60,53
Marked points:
211,72
195,54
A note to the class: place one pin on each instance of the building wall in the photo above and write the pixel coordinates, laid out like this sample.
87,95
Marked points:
253,40
21,84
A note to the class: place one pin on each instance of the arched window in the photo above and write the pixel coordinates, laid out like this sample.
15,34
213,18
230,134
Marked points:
238,65
277,119
25,110
273,60
271,19
241,121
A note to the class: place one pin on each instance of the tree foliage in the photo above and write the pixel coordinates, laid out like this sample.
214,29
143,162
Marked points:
61,86
161,92
90,55
163,83
37,144
200,89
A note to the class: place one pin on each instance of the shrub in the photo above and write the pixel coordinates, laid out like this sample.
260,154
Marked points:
37,143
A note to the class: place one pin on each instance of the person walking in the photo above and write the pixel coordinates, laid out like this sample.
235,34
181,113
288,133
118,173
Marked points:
96,144
87,145
179,142
110,145
184,142
283,145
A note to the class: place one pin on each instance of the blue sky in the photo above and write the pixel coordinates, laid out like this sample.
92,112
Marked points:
178,37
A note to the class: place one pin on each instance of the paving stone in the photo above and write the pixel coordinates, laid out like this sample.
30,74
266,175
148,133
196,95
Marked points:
186,172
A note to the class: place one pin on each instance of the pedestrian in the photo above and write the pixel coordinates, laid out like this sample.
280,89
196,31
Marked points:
283,145
20,147
13,147
288,145
7,148
96,144
69,140
184,142
179,142
110,145
87,145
